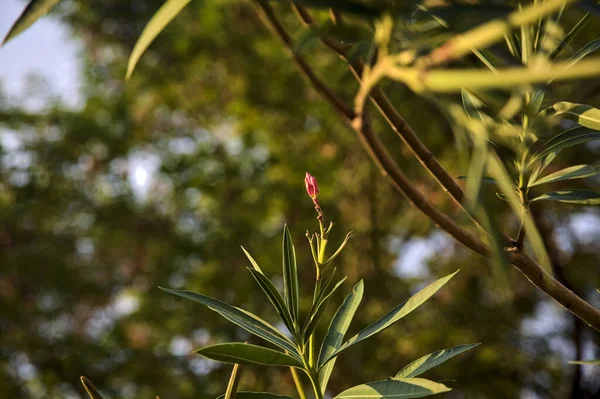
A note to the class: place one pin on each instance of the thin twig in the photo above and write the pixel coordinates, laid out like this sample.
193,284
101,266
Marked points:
533,271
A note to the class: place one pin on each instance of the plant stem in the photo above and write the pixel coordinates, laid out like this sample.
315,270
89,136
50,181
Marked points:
298,383
314,379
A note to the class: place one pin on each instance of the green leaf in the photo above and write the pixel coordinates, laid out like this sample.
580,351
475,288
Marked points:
508,187
585,197
252,261
241,353
290,274
90,388
573,172
586,362
472,106
393,316
165,14
276,299
484,180
32,12
246,320
432,360
337,329
541,166
569,36
583,52
256,395
585,115
404,388
312,322
568,138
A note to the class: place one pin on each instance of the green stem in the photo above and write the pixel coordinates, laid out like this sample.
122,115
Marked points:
314,380
298,383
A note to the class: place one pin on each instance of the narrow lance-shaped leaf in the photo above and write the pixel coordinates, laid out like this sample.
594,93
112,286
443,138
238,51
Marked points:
393,316
165,14
276,299
586,362
246,320
585,197
290,274
573,172
337,329
32,12
234,380
318,298
404,388
316,317
241,353
541,166
584,114
586,50
90,388
508,188
432,360
568,138
256,395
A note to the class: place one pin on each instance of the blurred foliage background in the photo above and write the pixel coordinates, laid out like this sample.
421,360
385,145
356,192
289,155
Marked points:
221,127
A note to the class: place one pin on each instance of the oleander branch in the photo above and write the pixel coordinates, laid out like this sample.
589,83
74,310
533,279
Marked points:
370,141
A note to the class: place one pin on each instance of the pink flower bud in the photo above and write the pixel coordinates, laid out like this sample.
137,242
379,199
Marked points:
311,186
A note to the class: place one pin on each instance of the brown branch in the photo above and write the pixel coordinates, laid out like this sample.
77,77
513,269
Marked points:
393,117
534,272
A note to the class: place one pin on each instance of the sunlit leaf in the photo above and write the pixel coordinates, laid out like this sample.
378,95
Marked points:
256,395
90,388
32,12
508,187
337,329
404,388
246,320
234,380
241,353
393,316
573,172
165,14
432,360
585,197
585,115
586,362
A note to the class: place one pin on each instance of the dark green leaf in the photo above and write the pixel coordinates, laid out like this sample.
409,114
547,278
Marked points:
569,36
586,50
393,316
573,172
568,138
586,197
248,321
432,360
405,388
290,274
337,329
241,353
275,298
256,395
165,14
90,388
312,322
32,12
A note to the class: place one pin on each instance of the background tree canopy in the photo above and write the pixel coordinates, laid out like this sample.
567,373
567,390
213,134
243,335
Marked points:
226,129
